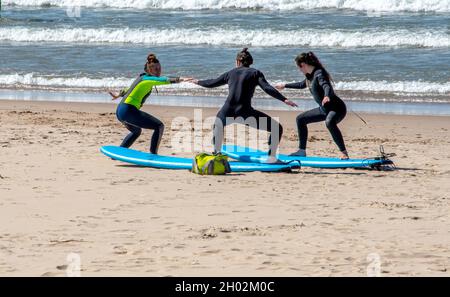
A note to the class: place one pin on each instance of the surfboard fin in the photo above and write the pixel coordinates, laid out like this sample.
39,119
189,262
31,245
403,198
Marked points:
386,164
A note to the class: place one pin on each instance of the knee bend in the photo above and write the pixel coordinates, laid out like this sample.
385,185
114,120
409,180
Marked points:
274,126
161,127
331,124
300,120
219,123
137,132
280,130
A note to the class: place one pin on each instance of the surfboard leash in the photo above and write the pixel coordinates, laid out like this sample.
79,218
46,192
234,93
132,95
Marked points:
359,117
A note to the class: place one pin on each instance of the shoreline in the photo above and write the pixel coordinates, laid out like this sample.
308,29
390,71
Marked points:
358,106
96,107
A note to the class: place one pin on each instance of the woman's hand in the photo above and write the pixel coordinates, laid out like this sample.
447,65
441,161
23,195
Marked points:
280,86
114,95
192,80
186,79
325,100
290,103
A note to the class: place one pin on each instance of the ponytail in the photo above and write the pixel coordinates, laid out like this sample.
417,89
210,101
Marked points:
311,59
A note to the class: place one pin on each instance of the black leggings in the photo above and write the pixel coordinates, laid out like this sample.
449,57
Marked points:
332,118
261,121
134,120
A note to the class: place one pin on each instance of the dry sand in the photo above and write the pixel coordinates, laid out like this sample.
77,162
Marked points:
59,195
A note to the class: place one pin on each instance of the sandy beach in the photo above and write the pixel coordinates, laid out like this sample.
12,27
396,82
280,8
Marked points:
59,195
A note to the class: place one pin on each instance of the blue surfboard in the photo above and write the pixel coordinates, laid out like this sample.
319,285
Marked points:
169,162
246,154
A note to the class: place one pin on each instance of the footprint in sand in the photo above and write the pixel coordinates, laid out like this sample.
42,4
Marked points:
209,252
50,274
61,267
120,250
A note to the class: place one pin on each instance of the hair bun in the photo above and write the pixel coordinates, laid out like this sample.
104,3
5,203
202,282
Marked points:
151,58
245,57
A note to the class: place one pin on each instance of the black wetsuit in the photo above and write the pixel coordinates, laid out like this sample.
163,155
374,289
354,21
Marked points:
332,112
242,82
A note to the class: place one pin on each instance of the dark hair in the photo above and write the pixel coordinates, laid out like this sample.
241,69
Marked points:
245,57
311,59
151,60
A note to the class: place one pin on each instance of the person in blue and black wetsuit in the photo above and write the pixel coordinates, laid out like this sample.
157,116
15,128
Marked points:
242,82
128,111
331,108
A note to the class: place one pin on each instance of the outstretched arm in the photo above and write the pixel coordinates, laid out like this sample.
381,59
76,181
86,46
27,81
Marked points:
164,80
116,95
160,80
212,83
262,82
296,85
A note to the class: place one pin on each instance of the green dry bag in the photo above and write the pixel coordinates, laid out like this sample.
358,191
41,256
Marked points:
207,164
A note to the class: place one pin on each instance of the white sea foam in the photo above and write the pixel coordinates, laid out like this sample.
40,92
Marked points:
232,37
417,87
31,79
362,5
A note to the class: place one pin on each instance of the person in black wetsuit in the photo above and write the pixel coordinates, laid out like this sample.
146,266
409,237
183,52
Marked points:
331,108
242,82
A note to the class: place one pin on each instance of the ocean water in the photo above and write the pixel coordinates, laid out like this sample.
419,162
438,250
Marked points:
377,50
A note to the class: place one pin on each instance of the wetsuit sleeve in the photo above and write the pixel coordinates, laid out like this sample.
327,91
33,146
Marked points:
325,84
213,83
174,79
262,82
296,85
159,80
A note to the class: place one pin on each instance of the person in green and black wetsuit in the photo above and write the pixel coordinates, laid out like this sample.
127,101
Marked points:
128,111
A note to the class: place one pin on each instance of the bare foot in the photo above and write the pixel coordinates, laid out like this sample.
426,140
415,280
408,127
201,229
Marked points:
299,153
344,155
273,160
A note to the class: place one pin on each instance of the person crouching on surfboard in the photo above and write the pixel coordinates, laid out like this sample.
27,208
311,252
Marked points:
331,108
129,113
242,82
